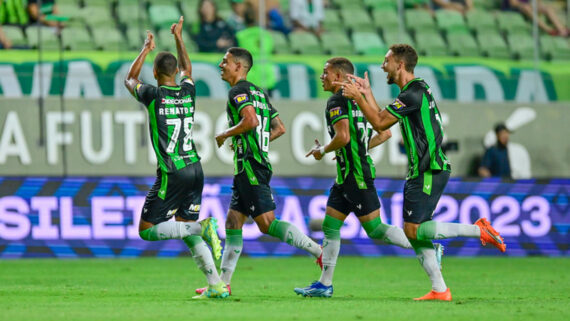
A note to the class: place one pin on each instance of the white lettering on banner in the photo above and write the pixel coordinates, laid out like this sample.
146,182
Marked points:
304,119
54,137
130,121
107,217
531,87
539,212
12,132
299,88
293,213
470,203
106,137
119,89
202,135
509,209
427,74
447,209
134,204
14,224
210,74
9,82
45,230
41,82
70,231
81,79
466,78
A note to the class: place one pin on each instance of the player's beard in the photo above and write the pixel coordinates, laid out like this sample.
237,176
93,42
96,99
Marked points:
390,79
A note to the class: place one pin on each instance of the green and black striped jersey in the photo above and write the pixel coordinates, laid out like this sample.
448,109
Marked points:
171,116
251,146
353,158
420,123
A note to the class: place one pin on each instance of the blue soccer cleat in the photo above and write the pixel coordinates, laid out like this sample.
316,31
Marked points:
317,289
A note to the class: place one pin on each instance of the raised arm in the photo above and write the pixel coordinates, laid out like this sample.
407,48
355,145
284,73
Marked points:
183,60
340,139
248,122
277,128
132,79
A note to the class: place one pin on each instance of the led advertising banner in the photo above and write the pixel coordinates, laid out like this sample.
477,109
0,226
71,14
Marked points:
98,217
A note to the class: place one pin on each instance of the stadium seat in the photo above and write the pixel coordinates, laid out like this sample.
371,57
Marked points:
336,43
493,45
96,17
462,44
386,19
135,37
303,42
131,14
394,36
430,43
163,16
73,12
109,39
368,43
165,41
480,21
280,43
554,48
521,45
382,4
332,21
350,5
190,11
511,22
77,38
16,35
48,36
450,21
357,20
487,5
419,19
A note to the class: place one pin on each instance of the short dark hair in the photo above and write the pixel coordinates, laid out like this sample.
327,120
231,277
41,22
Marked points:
242,54
165,63
406,53
341,64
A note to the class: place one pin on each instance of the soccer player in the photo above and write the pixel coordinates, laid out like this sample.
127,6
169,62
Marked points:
253,123
354,189
178,188
429,169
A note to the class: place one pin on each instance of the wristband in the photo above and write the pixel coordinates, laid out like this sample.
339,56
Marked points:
322,150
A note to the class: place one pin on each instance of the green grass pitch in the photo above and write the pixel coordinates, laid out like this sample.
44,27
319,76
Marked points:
365,289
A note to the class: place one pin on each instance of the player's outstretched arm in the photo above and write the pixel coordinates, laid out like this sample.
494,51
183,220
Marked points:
379,138
132,79
277,128
248,122
340,139
183,60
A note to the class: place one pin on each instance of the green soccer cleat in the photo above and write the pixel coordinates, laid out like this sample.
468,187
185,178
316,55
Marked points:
217,291
210,235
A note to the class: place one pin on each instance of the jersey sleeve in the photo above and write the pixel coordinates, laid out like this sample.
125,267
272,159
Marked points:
408,102
240,97
336,109
145,93
187,83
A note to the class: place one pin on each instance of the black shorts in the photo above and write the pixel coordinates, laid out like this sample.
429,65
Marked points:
419,206
252,200
176,194
347,197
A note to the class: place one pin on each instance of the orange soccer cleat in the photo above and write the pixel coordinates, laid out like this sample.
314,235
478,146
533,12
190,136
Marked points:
432,295
490,235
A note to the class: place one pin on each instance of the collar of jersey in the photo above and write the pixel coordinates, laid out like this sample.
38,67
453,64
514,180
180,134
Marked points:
411,81
171,88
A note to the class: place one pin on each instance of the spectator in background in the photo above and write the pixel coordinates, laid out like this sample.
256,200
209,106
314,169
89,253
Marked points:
458,5
38,14
495,162
525,7
236,19
307,15
5,43
275,18
259,43
215,35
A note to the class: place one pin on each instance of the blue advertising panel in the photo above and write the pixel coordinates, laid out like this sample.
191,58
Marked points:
98,216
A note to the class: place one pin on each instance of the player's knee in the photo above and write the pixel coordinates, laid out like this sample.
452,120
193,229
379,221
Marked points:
411,231
232,222
264,227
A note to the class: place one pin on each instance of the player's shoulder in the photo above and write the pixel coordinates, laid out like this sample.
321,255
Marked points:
336,100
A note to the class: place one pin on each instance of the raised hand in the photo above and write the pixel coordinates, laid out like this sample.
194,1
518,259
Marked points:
316,151
149,41
363,84
349,89
176,28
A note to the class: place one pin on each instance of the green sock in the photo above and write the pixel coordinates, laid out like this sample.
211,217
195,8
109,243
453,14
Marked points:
432,230
192,241
232,251
387,233
331,248
426,255
375,229
291,235
331,227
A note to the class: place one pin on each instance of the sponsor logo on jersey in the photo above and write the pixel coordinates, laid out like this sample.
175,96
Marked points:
241,98
171,212
335,112
176,101
398,104
194,208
